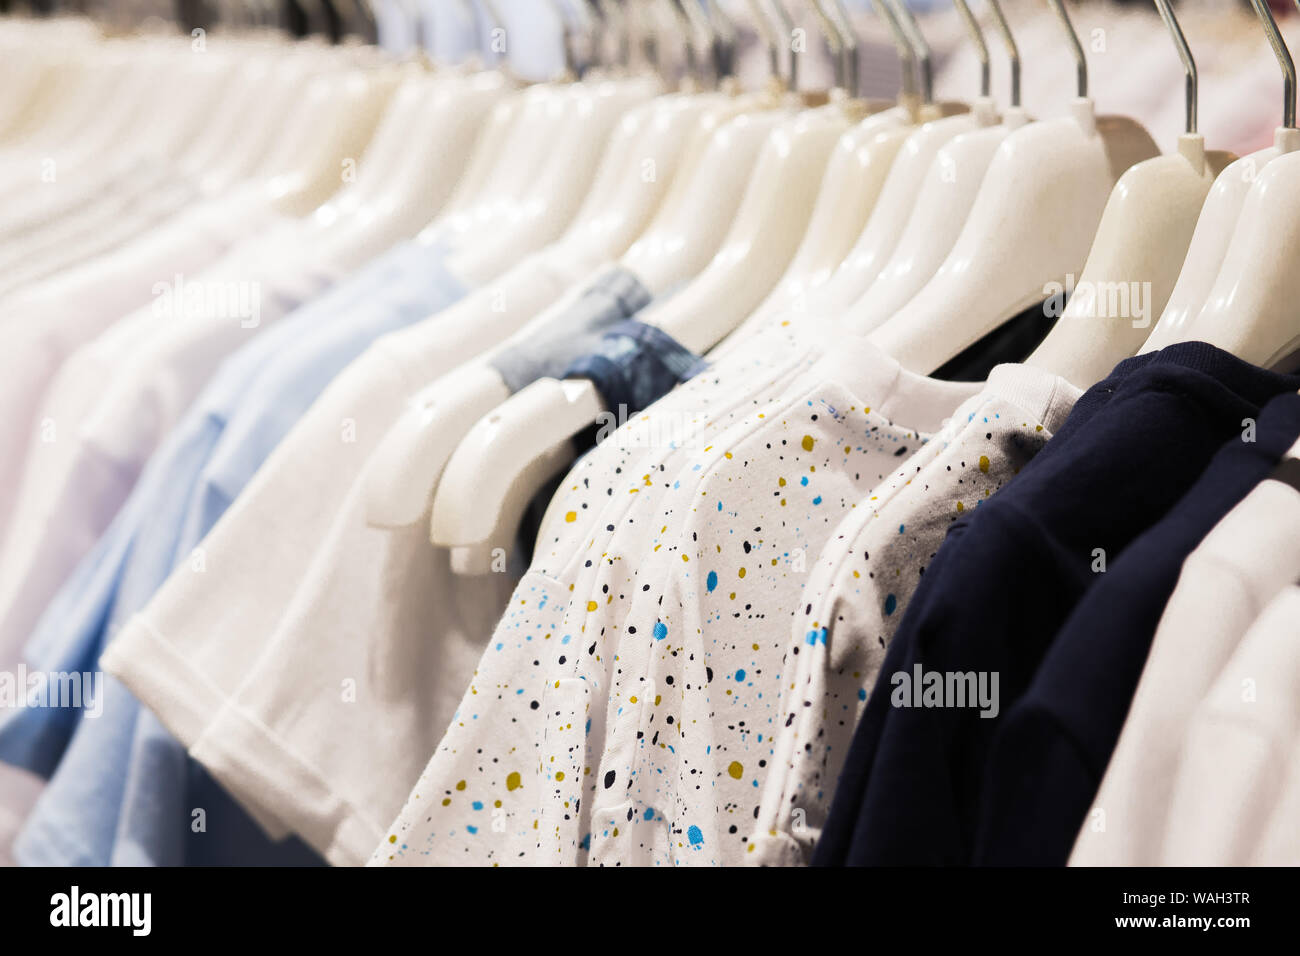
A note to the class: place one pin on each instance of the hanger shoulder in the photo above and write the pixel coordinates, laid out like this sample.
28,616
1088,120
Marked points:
1135,260
504,457
1250,311
1031,225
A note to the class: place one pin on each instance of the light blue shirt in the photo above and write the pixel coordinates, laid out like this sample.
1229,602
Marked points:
121,790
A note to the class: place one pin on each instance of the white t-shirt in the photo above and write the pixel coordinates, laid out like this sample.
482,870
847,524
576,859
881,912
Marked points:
547,785
592,503
706,662
1238,754
218,673
49,320
1251,555
1279,844
861,583
83,461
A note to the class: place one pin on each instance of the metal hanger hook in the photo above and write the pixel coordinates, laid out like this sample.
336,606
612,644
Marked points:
1080,62
849,49
776,27
699,31
616,23
981,48
784,26
924,62
1283,59
1189,64
724,32
833,39
906,52
1013,53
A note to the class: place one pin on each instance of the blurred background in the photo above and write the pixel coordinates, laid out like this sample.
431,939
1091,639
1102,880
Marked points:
1133,68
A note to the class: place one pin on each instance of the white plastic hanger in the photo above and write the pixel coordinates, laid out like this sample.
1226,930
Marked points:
246,154
504,168
188,87
854,179
83,83
657,141
341,112
115,162
140,76
410,459
694,213
902,187
333,121
1138,251
479,208
1031,225
581,119
399,136
481,178
538,422
1223,209
558,183
850,186
154,79
272,127
432,150
138,192
253,103
44,59
770,222
689,227
946,195
1251,309
493,193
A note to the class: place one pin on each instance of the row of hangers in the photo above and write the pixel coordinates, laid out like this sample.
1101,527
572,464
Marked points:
875,230
763,203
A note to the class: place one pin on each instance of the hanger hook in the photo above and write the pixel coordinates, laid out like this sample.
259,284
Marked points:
689,27
700,31
833,40
768,37
1013,53
617,24
659,10
593,28
906,52
923,59
423,29
849,45
641,34
981,48
1185,54
785,26
724,32
367,29
1283,59
1063,15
